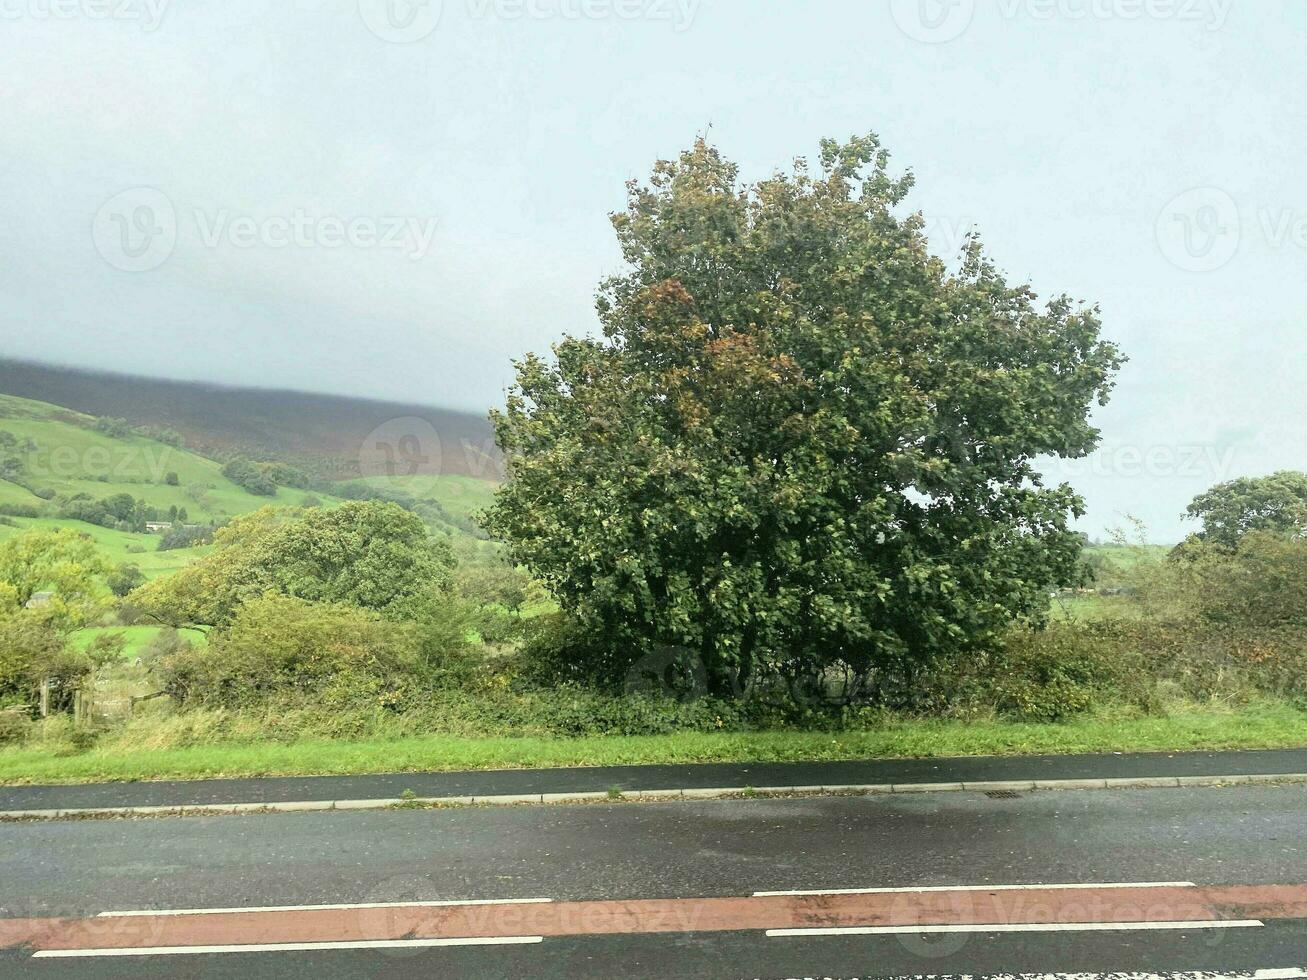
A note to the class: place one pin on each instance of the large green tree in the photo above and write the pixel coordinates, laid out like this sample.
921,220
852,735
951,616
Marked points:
372,555
1275,503
34,628
66,564
802,440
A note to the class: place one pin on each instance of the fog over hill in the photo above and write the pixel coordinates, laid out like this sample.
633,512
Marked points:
337,437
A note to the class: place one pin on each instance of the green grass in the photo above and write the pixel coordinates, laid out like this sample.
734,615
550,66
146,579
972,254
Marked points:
1094,608
136,638
71,457
117,546
1268,726
463,495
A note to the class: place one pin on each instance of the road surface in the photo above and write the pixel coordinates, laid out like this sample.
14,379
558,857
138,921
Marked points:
1189,880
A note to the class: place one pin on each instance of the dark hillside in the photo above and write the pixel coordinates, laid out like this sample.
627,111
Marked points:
322,433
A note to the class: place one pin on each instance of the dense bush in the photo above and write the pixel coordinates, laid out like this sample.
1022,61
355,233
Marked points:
251,477
33,651
114,428
185,536
279,646
15,726
376,556
124,578
1259,586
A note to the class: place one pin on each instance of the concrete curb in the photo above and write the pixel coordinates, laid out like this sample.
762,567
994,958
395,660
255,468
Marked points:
730,792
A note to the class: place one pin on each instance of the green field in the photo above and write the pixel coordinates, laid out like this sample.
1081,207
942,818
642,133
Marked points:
71,457
460,495
60,451
136,638
117,546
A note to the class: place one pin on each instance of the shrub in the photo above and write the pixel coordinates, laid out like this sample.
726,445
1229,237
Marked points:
495,584
371,555
15,726
164,644
181,536
280,646
1052,674
556,650
32,651
114,428
124,579
251,477
1259,586
497,627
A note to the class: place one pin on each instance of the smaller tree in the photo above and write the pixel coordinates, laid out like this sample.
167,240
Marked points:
124,579
371,555
172,479
279,646
1275,503
33,651
64,563
497,584
252,477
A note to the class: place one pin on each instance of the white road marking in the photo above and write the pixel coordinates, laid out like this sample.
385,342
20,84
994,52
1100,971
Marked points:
1018,927
290,947
327,908
975,888
1291,974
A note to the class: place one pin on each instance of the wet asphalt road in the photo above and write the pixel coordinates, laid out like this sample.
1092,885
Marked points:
1235,835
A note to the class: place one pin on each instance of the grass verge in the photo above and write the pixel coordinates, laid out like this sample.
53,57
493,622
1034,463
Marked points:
1273,726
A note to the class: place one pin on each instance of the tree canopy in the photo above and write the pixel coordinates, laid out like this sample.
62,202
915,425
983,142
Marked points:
372,555
1275,503
64,563
802,440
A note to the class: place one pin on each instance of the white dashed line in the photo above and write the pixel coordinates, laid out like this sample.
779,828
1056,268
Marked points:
1018,927
328,908
975,888
290,947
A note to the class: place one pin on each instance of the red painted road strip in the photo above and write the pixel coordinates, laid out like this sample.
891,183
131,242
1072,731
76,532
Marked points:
1048,906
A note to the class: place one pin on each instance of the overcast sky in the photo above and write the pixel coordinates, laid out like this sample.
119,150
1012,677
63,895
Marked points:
365,198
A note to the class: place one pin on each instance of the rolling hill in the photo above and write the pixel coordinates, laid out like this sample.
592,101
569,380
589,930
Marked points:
52,456
320,433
